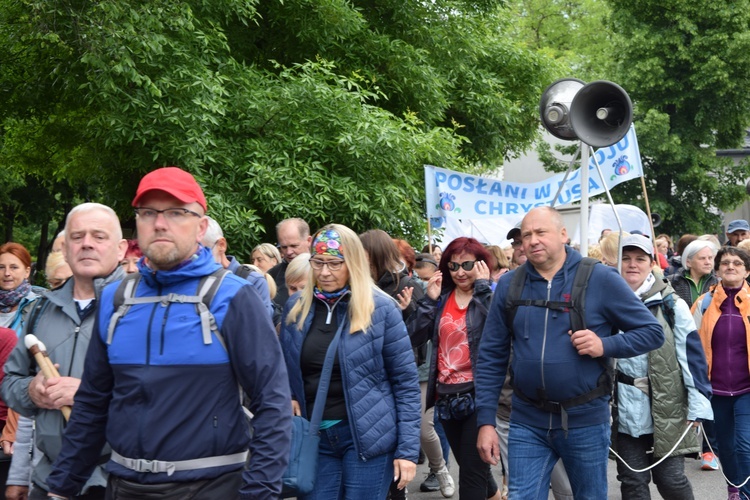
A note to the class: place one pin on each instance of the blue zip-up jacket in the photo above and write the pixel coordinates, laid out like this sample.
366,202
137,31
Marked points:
159,393
379,373
544,357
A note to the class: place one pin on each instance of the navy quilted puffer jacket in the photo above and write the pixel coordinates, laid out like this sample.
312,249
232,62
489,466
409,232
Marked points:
380,379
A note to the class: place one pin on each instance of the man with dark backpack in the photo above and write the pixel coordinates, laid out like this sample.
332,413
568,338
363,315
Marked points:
165,365
560,369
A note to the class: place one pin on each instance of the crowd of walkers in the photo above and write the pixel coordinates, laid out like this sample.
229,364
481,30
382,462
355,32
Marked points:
528,357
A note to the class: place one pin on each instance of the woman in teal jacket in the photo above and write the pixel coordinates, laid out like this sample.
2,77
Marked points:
370,428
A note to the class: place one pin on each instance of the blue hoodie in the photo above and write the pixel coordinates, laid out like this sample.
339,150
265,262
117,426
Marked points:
543,355
159,393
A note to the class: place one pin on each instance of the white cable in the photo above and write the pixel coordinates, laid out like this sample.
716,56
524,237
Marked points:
722,468
689,426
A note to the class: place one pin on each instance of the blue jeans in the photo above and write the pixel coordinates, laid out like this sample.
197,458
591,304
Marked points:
533,451
343,475
732,427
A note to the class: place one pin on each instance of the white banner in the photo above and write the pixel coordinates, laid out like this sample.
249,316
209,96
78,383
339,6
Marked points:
464,196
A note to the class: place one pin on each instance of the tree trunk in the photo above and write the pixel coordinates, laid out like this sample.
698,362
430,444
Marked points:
42,251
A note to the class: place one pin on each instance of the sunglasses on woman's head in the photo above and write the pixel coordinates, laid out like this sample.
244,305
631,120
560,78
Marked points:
467,265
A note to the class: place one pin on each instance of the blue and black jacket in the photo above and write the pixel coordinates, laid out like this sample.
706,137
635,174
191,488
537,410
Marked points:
159,393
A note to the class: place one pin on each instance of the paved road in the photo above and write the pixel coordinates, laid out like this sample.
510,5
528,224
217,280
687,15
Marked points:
707,485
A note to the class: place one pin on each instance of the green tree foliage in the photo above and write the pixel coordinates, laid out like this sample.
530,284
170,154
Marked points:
686,65
324,110
573,32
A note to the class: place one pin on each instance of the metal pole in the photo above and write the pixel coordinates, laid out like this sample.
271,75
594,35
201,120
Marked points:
584,226
565,177
617,216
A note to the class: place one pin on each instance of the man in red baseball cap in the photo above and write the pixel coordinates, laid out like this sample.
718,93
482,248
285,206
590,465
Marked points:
174,181
169,368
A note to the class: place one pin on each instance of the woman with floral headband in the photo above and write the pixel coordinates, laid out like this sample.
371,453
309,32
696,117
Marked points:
370,427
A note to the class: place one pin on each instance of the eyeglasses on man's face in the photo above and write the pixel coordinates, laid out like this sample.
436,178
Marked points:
333,265
171,214
467,265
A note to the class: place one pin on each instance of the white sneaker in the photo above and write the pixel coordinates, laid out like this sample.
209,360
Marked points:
447,488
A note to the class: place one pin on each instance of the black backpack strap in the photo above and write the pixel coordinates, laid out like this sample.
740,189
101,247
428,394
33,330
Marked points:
578,293
577,303
40,306
603,387
513,298
243,271
668,308
666,304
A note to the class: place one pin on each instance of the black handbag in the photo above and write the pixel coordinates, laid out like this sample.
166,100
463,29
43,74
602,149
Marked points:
299,478
455,406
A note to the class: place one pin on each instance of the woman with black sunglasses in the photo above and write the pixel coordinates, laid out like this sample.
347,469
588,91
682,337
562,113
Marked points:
452,314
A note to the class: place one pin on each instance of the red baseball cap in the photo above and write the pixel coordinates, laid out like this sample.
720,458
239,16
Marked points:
174,181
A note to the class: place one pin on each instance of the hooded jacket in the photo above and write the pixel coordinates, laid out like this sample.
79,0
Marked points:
67,338
379,375
544,358
159,393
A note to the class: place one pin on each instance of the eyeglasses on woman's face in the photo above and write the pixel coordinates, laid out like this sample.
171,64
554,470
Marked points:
333,265
467,265
734,263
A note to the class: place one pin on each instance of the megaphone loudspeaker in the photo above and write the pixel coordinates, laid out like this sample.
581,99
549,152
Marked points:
601,113
655,219
554,107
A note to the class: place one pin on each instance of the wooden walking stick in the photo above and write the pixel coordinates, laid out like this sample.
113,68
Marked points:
39,351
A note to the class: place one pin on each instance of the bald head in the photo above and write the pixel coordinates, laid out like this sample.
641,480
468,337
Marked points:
543,239
549,213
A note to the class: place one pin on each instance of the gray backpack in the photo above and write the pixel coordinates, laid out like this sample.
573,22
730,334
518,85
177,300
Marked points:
207,288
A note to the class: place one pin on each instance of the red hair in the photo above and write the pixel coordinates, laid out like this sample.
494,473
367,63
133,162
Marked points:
133,249
19,251
458,246
407,253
